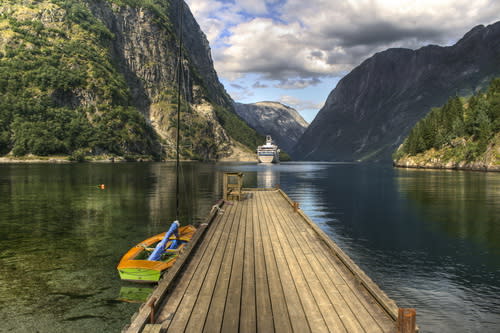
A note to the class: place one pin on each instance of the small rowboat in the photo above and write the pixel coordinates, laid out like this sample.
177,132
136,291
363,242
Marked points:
146,261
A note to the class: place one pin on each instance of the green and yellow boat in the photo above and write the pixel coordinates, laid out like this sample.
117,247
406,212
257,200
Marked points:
146,261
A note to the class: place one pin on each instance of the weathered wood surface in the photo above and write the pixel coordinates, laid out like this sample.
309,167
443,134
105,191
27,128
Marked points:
264,267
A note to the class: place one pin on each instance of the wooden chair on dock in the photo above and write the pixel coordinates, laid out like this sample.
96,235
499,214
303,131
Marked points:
233,185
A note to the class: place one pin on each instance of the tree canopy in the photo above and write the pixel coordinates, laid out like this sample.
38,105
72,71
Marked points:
475,119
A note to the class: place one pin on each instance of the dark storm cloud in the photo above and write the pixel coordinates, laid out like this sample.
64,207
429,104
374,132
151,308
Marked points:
382,33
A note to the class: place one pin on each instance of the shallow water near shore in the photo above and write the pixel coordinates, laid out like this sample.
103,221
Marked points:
430,239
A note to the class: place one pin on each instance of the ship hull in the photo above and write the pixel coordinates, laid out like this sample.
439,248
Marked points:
268,159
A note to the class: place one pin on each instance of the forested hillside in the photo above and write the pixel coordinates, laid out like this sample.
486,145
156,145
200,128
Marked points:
463,131
40,67
99,77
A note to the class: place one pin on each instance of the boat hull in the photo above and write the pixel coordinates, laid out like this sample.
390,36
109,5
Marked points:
135,268
268,158
140,275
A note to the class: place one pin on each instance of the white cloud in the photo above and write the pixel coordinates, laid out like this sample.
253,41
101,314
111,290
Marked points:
298,104
256,7
301,40
272,49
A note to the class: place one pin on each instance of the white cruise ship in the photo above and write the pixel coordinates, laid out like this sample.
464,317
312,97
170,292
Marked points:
268,153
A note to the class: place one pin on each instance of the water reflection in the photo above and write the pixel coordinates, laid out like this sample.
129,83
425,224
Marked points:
134,294
430,239
62,236
268,178
464,205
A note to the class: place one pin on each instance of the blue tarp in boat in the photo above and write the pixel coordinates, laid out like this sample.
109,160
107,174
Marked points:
160,248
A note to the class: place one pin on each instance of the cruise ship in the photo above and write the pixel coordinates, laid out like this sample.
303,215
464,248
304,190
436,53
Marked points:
268,153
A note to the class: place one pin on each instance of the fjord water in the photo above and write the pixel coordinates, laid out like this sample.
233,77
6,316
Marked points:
429,239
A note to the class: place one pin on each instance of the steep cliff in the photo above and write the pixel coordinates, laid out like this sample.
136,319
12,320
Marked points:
283,123
374,107
113,66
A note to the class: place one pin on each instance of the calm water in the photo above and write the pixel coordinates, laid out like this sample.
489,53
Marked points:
430,239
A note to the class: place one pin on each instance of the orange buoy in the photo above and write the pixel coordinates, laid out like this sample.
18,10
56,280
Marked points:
102,187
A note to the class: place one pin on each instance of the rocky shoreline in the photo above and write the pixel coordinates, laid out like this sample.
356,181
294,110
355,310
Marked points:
447,167
65,159
33,160
417,162
239,154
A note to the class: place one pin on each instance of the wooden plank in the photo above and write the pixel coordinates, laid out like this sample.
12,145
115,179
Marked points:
175,298
141,318
231,318
387,304
293,300
292,256
369,317
215,314
330,277
248,320
152,328
200,309
282,320
310,269
184,310
264,311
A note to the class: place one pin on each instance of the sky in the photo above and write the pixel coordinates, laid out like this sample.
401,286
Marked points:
295,51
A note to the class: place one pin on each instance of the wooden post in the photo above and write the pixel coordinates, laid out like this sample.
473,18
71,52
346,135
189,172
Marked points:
295,206
152,306
407,320
224,186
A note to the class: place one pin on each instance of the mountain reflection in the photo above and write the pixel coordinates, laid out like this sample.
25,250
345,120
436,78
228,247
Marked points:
462,204
62,235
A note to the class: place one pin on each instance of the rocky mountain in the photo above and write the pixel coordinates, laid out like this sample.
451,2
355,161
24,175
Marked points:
283,123
373,108
99,77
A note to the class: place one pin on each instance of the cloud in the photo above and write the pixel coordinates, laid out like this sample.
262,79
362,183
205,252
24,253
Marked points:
295,42
237,86
297,83
298,104
258,85
256,7
276,51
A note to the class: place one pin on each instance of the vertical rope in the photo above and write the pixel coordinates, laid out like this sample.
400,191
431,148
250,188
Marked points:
179,86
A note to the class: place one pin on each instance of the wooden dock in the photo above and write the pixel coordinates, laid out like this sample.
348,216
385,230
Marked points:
261,265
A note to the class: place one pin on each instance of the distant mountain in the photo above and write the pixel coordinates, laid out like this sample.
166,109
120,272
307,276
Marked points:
282,122
99,77
373,108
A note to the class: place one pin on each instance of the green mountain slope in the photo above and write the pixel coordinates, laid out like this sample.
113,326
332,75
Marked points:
464,133
99,77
